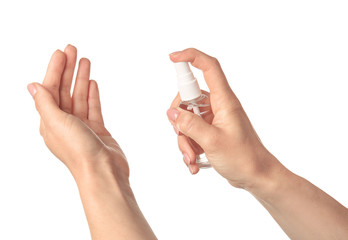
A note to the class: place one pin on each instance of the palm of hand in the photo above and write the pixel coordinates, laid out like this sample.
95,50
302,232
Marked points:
75,132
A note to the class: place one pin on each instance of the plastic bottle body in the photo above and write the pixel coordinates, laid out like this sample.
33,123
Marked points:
201,107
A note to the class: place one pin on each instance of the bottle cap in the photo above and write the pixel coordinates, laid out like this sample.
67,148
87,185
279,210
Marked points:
187,83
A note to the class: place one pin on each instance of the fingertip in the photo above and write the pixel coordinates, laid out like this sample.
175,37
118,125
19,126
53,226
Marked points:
93,82
194,169
32,89
172,114
180,56
60,57
84,59
35,86
70,46
59,53
93,88
174,55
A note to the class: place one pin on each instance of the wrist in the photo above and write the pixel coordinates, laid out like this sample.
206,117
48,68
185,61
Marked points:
268,178
108,201
103,171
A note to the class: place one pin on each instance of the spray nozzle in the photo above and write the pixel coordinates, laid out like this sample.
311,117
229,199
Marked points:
187,83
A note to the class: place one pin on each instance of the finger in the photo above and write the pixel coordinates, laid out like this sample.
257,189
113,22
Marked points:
212,71
211,68
94,106
45,104
176,101
189,158
191,125
54,74
79,98
194,169
65,85
186,149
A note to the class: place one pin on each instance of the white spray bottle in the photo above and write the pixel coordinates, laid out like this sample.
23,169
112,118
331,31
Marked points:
195,101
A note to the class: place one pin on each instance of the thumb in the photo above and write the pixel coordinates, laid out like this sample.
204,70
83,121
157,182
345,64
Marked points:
191,125
44,103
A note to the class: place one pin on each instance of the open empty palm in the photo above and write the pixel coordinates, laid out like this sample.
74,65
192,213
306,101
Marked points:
73,126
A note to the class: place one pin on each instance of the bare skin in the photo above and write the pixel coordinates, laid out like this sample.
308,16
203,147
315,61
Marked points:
73,129
237,154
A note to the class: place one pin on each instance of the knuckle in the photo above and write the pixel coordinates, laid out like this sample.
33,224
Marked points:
214,61
79,97
41,131
185,122
182,143
82,115
66,109
191,50
180,146
94,107
65,90
54,87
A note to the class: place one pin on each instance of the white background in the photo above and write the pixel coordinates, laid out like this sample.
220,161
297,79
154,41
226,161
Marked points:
287,61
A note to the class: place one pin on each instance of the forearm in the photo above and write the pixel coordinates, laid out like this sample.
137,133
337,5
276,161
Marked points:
110,206
300,208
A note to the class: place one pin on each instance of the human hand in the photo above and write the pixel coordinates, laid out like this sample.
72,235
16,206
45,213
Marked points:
72,126
73,129
230,142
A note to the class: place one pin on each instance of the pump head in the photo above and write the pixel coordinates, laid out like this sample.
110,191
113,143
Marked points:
187,83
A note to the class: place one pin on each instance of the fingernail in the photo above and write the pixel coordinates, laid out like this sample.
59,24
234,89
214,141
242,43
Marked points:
175,53
191,169
186,159
176,130
172,114
32,89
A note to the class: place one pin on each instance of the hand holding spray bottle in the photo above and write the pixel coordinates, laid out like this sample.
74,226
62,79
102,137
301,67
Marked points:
193,100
